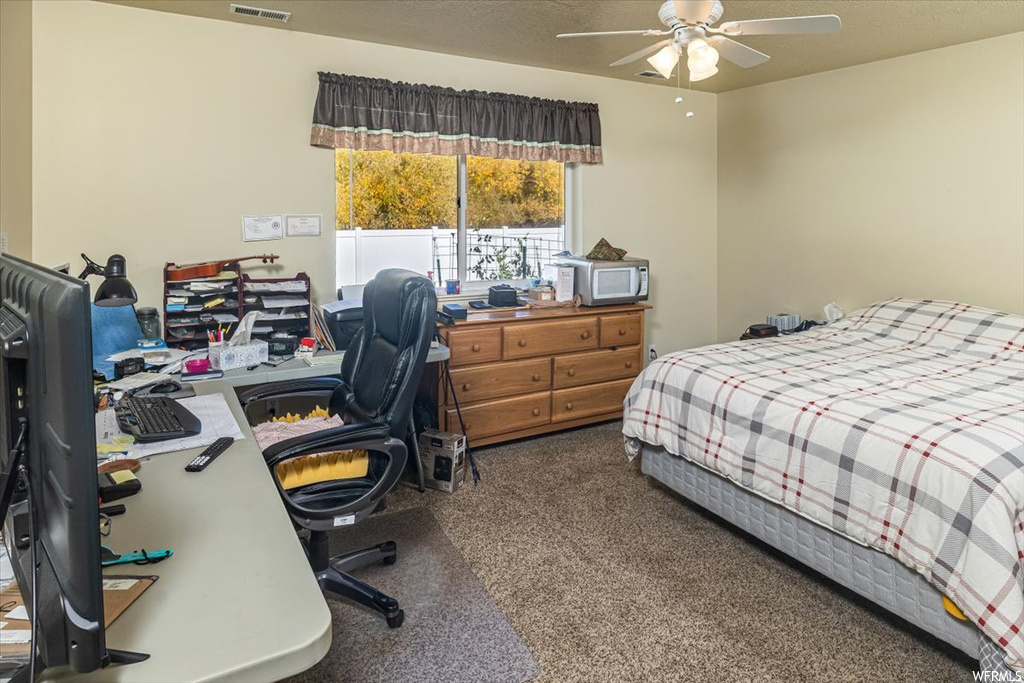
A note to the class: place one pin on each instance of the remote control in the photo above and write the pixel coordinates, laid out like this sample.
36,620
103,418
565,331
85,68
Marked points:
209,454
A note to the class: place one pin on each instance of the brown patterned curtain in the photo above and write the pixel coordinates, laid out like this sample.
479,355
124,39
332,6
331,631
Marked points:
353,112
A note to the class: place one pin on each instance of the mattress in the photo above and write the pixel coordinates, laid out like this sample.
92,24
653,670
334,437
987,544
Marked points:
869,573
899,427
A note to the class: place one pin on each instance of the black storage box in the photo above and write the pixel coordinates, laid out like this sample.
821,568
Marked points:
502,295
456,311
343,325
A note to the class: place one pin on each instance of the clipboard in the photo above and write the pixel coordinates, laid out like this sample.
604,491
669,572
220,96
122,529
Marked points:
119,592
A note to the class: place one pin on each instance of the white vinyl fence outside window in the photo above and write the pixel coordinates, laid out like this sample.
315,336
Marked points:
492,253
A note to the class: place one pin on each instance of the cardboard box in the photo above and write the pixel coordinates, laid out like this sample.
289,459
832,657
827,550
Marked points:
444,459
542,293
563,279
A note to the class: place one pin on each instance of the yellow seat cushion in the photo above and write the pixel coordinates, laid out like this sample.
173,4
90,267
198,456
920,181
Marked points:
318,467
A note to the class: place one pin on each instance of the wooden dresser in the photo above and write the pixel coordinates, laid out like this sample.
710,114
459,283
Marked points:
525,372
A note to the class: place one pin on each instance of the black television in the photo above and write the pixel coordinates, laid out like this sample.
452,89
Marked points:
48,485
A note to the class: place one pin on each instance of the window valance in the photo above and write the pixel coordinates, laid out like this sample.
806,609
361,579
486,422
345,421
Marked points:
353,112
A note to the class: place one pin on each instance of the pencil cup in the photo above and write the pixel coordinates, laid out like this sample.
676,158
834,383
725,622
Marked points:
215,351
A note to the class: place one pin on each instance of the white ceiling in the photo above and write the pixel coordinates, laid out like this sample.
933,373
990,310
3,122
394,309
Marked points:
523,31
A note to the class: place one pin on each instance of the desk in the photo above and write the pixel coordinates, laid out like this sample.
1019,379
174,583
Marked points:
296,368
237,601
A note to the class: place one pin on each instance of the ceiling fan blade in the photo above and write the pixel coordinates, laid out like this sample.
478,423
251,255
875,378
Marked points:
642,32
737,53
694,10
640,54
824,23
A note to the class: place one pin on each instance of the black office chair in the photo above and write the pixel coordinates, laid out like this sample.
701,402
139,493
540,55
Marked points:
380,374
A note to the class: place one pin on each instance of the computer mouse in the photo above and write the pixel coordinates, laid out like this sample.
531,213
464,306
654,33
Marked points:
168,387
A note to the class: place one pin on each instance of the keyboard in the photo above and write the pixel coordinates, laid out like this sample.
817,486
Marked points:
155,418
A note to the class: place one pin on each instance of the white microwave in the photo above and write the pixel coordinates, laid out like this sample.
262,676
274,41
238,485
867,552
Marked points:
610,282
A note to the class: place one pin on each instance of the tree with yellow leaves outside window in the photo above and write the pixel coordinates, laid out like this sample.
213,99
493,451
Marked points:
381,190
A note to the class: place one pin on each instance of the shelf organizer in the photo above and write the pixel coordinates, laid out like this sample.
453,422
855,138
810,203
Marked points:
187,318
295,318
186,324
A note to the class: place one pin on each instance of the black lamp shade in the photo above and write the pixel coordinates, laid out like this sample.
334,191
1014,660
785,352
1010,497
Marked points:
115,290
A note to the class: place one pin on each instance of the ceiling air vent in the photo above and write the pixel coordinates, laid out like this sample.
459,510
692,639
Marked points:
647,73
261,13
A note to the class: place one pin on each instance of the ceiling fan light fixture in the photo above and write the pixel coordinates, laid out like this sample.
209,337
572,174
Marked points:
700,55
665,60
703,74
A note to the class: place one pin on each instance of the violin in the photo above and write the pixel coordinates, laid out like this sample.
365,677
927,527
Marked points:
193,271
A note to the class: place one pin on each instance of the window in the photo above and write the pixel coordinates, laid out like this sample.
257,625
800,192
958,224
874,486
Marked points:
404,210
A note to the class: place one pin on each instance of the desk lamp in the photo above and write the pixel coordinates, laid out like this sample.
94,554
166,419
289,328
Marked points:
115,290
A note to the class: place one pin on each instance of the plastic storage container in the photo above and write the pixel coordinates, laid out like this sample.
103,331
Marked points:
149,321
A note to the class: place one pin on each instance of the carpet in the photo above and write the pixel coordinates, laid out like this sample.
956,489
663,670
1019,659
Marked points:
453,631
609,576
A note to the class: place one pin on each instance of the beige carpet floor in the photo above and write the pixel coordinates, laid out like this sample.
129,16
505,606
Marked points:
609,576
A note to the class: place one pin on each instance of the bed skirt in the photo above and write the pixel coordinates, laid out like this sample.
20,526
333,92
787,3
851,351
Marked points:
869,573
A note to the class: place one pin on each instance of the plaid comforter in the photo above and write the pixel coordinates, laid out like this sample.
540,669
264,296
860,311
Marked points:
900,426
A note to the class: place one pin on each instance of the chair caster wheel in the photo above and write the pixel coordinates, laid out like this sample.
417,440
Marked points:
390,559
396,621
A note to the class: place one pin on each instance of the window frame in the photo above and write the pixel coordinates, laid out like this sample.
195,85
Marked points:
571,223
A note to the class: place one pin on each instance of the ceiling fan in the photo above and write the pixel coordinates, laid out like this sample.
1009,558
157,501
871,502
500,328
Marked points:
690,24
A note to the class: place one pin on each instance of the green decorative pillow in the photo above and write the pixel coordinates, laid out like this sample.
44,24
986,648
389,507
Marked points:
603,251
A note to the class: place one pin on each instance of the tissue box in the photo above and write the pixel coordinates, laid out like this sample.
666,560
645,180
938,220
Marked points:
562,278
242,356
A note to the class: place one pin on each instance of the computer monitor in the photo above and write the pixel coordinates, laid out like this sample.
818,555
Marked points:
48,460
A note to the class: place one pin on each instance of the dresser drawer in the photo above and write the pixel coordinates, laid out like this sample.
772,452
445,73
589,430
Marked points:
503,415
594,399
540,339
596,366
481,345
483,382
620,330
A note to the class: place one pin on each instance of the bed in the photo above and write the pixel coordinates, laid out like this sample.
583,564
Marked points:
885,450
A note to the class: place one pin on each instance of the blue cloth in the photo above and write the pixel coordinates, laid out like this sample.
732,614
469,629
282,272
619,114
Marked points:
114,329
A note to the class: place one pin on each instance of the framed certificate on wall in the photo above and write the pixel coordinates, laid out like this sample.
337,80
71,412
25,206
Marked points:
259,228
303,224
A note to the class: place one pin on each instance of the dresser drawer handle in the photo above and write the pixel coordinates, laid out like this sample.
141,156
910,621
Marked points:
585,335
522,342
629,363
622,332
467,386
572,372
476,347
536,377
536,412
568,406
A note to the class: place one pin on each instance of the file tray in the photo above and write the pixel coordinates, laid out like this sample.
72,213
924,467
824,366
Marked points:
242,356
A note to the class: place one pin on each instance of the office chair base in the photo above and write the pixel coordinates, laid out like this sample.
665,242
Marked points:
332,575
348,586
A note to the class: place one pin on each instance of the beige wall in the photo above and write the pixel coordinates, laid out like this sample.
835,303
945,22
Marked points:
155,133
16,125
901,177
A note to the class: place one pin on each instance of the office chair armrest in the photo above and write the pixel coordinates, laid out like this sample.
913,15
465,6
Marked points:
295,396
313,385
346,437
360,436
